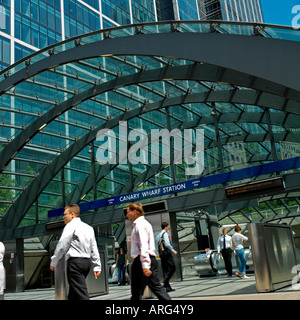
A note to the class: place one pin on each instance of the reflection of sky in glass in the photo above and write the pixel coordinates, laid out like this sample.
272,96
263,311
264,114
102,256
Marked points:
2,17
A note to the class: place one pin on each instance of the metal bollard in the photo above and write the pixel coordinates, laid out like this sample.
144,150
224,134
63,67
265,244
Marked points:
60,280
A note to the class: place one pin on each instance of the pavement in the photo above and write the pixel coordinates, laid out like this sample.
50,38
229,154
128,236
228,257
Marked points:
192,288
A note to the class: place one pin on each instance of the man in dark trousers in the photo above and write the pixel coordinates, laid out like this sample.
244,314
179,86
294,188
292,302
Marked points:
144,269
79,246
167,261
224,246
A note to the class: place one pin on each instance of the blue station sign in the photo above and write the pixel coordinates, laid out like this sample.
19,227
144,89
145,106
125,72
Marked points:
220,178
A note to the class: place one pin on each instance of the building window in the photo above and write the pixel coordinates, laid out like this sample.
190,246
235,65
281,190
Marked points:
4,18
37,23
4,52
79,19
117,10
142,11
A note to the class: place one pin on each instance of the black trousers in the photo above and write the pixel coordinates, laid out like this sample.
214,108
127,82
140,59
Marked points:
77,271
139,280
168,267
227,253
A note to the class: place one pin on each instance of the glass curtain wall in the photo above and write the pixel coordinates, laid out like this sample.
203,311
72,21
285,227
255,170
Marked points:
36,25
30,25
235,136
234,10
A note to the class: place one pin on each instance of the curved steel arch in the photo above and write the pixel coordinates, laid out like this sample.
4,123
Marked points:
239,64
289,121
265,58
86,185
20,207
197,72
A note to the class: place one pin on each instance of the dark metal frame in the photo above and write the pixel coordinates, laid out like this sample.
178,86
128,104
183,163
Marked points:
18,210
267,66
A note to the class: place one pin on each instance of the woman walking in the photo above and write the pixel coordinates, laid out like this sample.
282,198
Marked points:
121,265
238,240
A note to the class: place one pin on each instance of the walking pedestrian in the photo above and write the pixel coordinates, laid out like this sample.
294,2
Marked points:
121,262
238,240
144,269
79,246
166,257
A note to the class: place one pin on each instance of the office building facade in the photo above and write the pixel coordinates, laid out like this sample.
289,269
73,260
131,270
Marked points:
29,25
233,10
227,10
26,26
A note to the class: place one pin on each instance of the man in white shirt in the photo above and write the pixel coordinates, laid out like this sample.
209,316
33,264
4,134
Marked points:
224,246
79,246
144,269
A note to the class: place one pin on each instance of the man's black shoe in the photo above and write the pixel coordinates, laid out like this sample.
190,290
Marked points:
169,289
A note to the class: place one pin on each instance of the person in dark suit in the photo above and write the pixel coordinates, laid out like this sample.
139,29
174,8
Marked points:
167,261
224,246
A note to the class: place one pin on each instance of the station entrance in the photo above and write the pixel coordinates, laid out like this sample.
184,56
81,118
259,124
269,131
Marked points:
139,75
195,219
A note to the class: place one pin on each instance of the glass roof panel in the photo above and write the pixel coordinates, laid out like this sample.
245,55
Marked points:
241,29
244,141
282,33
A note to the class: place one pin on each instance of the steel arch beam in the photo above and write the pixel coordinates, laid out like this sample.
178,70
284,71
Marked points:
211,197
278,119
283,67
197,72
265,58
20,207
86,185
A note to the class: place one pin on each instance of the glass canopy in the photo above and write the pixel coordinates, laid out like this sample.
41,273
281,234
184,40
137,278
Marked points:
78,91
